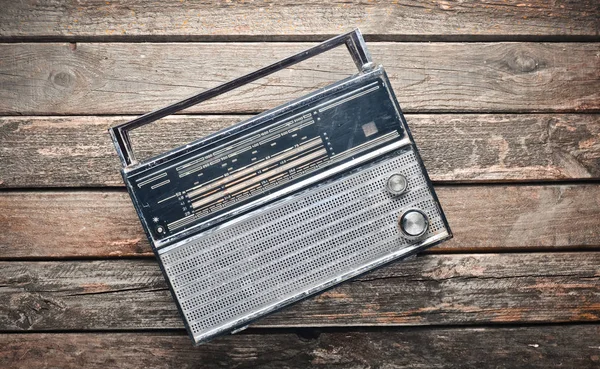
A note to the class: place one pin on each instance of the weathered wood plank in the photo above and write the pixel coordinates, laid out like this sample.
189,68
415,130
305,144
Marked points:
124,78
104,224
430,290
573,346
285,19
76,151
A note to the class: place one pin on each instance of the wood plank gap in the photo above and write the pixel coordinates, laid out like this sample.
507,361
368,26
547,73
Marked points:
433,251
252,113
371,38
436,183
314,332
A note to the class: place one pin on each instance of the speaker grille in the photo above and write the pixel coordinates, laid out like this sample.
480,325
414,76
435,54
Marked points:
231,274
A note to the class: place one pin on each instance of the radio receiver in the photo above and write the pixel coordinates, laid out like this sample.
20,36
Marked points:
285,204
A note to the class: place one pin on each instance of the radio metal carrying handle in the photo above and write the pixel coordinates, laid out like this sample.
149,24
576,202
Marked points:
354,42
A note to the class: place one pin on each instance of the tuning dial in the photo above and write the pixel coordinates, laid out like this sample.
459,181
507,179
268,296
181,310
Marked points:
397,184
413,223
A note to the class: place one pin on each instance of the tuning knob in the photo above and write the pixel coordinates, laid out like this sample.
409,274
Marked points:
413,223
397,184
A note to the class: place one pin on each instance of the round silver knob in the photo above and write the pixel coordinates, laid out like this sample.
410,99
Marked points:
397,184
413,223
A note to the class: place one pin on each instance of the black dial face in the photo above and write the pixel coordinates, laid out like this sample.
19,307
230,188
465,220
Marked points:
210,181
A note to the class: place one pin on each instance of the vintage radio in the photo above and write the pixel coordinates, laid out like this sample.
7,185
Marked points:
285,204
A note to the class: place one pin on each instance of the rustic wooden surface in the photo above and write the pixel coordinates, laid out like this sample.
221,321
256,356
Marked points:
113,78
503,98
40,151
431,290
36,19
532,347
104,224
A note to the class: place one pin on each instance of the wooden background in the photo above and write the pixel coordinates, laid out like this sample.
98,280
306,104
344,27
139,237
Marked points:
503,97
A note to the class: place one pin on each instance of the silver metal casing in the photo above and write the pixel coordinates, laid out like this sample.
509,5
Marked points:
321,223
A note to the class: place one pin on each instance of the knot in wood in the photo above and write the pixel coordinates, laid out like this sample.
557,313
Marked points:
63,79
523,63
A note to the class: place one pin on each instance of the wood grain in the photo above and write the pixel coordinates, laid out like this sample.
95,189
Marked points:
430,290
125,78
76,151
572,346
286,19
481,112
58,224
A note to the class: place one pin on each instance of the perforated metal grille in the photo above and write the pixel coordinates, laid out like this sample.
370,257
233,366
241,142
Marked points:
303,242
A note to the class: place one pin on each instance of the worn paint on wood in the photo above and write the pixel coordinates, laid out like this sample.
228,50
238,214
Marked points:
126,78
430,290
77,151
288,19
446,82
572,346
58,224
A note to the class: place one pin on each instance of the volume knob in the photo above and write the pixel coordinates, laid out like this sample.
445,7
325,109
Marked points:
397,184
413,223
